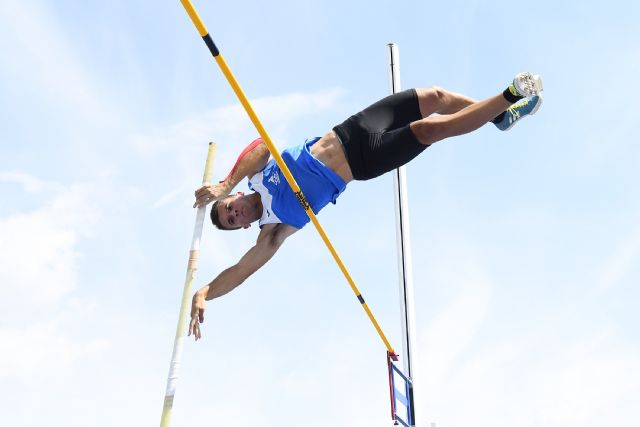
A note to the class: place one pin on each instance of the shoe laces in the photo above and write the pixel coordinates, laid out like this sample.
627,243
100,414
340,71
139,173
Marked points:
515,109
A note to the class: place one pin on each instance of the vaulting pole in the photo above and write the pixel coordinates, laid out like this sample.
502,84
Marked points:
204,33
174,366
407,310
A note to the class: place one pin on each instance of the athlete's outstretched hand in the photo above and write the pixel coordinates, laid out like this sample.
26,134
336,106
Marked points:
210,193
197,315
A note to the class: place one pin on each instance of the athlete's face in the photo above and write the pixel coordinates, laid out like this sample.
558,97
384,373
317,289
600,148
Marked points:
237,212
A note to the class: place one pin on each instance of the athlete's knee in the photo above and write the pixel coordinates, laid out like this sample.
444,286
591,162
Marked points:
431,99
432,94
430,129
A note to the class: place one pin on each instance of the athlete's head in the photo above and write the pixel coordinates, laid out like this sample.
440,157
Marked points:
215,216
237,211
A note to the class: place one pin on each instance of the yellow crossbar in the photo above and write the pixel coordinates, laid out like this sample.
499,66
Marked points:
193,14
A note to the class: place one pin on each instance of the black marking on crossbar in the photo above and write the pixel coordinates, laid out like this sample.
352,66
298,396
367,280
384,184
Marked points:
211,45
303,200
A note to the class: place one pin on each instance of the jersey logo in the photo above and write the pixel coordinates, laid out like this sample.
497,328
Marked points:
274,178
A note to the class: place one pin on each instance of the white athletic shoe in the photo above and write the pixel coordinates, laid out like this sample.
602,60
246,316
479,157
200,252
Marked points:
526,84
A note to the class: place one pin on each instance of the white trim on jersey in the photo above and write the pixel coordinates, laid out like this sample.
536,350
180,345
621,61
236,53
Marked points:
268,216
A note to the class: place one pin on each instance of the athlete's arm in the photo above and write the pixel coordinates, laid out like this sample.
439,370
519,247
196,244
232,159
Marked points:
251,161
269,241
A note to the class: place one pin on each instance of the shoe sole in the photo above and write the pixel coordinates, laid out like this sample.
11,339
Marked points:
538,104
527,84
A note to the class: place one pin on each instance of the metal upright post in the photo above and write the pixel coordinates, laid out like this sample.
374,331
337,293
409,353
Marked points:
405,269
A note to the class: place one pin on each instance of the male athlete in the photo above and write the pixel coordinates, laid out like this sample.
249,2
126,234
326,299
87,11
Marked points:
382,137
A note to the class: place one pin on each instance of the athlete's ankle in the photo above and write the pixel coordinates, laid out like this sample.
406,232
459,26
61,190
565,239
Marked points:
511,94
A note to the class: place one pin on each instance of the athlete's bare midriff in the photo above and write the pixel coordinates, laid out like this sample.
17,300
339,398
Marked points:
329,151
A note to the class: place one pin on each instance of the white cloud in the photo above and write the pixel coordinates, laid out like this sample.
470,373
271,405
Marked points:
38,248
168,197
231,123
29,183
33,350
40,263
540,374
39,258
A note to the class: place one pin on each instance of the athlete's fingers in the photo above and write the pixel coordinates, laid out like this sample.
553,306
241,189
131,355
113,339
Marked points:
206,189
199,193
204,199
190,327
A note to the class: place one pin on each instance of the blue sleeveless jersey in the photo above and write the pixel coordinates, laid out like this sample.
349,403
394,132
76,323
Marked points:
319,184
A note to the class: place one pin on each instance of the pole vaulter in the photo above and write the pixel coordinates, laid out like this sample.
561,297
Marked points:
204,33
520,99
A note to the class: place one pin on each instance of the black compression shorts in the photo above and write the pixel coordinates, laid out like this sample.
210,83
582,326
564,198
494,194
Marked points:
378,139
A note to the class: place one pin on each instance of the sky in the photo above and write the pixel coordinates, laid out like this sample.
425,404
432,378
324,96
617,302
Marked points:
526,244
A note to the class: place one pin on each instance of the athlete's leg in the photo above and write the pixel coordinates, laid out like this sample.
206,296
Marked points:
394,130
438,100
438,127
441,101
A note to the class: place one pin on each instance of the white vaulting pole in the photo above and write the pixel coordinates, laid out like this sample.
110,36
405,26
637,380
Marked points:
174,367
405,269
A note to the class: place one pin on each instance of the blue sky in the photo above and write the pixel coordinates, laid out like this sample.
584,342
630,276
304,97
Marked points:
526,243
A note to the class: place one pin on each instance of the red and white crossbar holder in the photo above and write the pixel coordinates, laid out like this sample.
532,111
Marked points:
400,393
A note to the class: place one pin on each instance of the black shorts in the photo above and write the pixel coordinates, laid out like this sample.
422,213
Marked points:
378,139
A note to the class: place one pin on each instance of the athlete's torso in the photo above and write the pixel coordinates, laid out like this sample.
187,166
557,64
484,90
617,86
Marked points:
319,184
